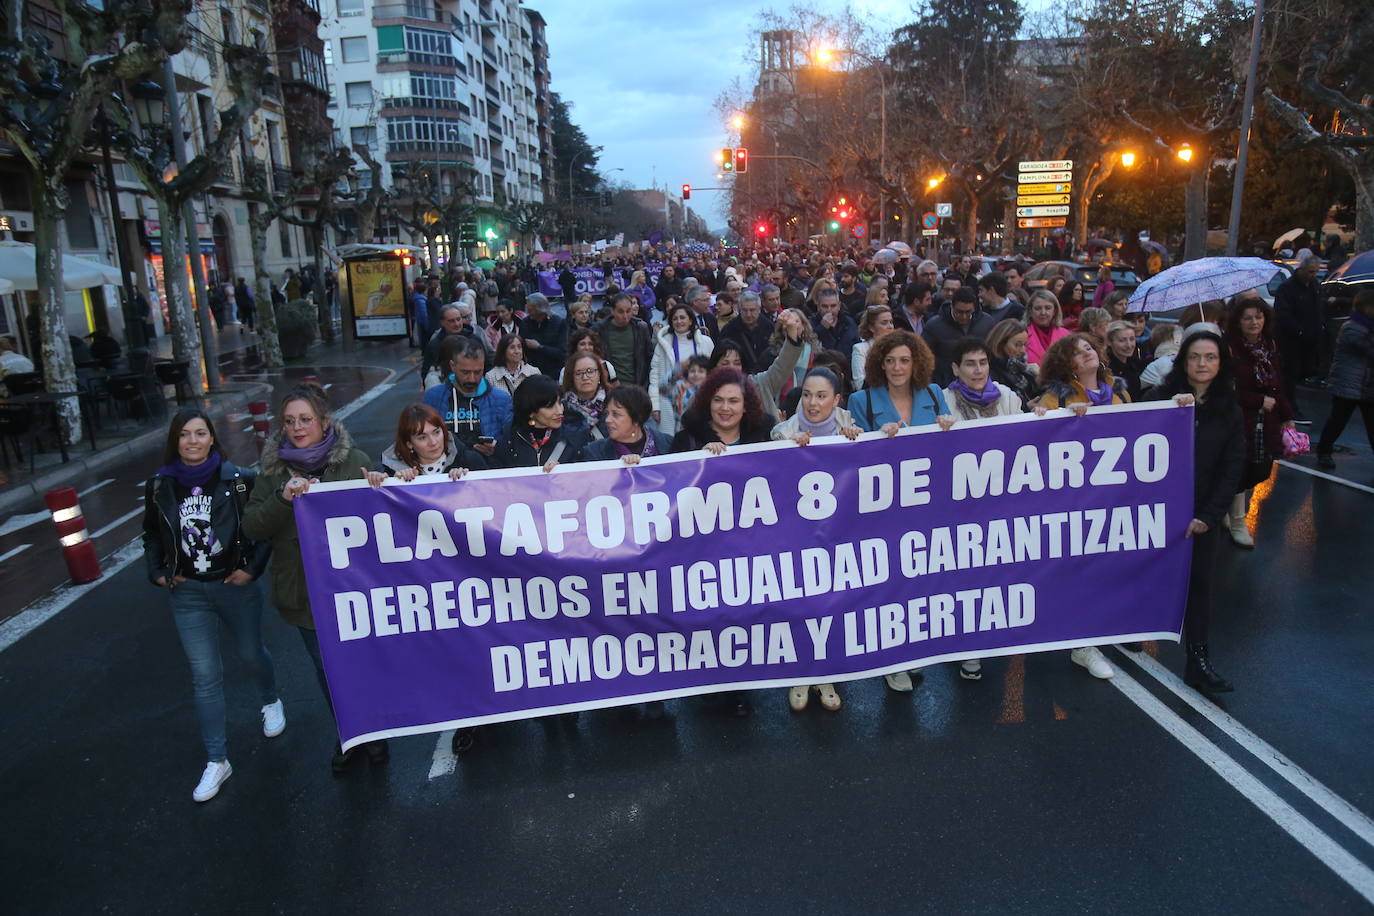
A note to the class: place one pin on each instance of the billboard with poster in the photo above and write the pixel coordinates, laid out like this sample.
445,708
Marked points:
377,297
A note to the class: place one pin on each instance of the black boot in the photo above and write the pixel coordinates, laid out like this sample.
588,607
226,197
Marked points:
339,763
1199,672
378,752
463,740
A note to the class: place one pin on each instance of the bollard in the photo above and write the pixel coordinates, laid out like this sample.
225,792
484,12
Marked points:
258,411
77,548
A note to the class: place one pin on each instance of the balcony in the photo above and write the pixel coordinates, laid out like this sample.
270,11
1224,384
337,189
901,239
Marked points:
497,137
425,104
394,59
281,178
493,95
414,11
491,57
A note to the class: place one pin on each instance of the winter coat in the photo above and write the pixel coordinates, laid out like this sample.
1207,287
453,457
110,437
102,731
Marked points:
872,408
516,451
269,517
643,350
693,436
1008,404
495,408
665,365
228,497
754,341
552,334
1062,394
1014,375
1036,346
502,379
603,449
1218,452
1351,374
842,337
771,382
1250,395
941,334
1298,312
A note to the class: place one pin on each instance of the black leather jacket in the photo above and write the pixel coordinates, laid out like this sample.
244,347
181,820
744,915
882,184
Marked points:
228,499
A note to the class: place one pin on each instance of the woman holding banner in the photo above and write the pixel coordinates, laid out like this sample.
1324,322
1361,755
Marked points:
423,447
308,446
898,393
1201,377
583,387
195,547
542,434
818,414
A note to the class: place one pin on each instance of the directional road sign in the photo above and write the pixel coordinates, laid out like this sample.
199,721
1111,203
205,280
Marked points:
930,232
1046,165
1063,188
1054,222
1029,177
944,211
929,221
1035,200
859,230
1042,211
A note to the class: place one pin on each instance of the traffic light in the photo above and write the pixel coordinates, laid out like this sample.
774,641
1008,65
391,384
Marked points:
686,192
606,198
834,226
404,255
761,228
741,160
727,159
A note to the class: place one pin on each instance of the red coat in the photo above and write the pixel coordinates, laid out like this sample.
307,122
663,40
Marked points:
1250,394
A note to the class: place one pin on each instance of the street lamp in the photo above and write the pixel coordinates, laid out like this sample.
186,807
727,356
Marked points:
737,122
1185,153
1128,159
933,183
824,56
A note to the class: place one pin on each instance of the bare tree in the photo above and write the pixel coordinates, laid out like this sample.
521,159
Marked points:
50,87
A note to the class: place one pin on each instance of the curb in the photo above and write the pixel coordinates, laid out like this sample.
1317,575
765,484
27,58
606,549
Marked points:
14,497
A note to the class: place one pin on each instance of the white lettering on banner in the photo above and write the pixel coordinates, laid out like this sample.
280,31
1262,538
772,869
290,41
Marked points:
739,581
974,610
551,663
396,609
979,475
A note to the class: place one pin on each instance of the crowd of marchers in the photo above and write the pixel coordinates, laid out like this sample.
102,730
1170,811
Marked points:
715,354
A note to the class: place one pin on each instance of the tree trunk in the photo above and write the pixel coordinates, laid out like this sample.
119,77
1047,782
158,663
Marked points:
267,311
1009,222
1195,208
185,340
59,372
970,227
323,311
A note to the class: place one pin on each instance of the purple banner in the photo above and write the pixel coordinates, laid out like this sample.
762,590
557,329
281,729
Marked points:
519,593
593,279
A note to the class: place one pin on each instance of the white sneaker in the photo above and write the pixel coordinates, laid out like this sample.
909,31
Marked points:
216,772
900,682
971,670
273,719
1089,657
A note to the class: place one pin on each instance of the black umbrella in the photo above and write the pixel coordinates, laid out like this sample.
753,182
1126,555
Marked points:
1358,271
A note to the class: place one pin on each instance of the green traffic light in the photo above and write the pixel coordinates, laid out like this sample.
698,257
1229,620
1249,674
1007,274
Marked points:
834,226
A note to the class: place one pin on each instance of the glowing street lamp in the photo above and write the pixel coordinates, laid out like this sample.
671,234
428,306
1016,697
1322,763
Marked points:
1128,159
737,122
1185,153
933,183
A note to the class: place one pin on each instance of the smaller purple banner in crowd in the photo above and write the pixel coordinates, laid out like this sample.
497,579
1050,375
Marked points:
593,279
519,593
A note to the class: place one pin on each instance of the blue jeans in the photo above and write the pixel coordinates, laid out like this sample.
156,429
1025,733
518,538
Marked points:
312,648
198,608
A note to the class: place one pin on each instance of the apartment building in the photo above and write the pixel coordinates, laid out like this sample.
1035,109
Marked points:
451,96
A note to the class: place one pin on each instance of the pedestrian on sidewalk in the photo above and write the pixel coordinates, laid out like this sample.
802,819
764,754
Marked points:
1351,381
194,546
308,446
1262,398
247,303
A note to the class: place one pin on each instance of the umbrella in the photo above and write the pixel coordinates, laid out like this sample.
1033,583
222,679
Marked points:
885,256
902,248
19,265
1199,281
1102,243
1358,271
1288,236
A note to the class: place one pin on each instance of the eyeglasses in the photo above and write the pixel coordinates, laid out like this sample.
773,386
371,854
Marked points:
587,373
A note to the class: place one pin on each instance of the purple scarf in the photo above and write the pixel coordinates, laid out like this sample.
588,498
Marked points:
191,476
1100,395
985,398
830,426
312,459
650,447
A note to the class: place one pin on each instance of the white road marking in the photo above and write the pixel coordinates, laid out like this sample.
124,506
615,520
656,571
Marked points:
1325,476
9,553
16,522
1328,851
61,598
443,763
328,385
93,487
119,521
1355,820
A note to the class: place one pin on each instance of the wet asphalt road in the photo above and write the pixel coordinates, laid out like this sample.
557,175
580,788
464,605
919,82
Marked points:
1037,789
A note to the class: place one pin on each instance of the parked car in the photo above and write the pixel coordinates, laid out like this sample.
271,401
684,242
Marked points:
1039,275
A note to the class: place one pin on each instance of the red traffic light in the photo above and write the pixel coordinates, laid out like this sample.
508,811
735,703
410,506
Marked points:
741,160
844,214
761,228
686,192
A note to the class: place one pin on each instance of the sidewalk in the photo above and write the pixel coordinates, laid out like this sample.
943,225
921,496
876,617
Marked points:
349,375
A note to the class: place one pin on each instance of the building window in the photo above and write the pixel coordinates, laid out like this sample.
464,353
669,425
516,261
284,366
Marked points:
363,136
350,7
359,95
284,233
354,49
444,134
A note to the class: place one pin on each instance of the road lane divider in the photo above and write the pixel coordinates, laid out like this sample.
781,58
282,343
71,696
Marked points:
1356,821
1325,476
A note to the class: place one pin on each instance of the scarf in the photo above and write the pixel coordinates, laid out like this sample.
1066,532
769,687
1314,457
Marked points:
1100,395
677,343
449,457
985,398
1041,334
830,426
192,476
1261,353
648,450
312,459
592,409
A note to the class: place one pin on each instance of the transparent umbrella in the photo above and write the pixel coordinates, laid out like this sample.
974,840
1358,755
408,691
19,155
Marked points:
19,265
1200,281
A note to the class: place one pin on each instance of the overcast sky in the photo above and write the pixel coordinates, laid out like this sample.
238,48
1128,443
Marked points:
642,78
